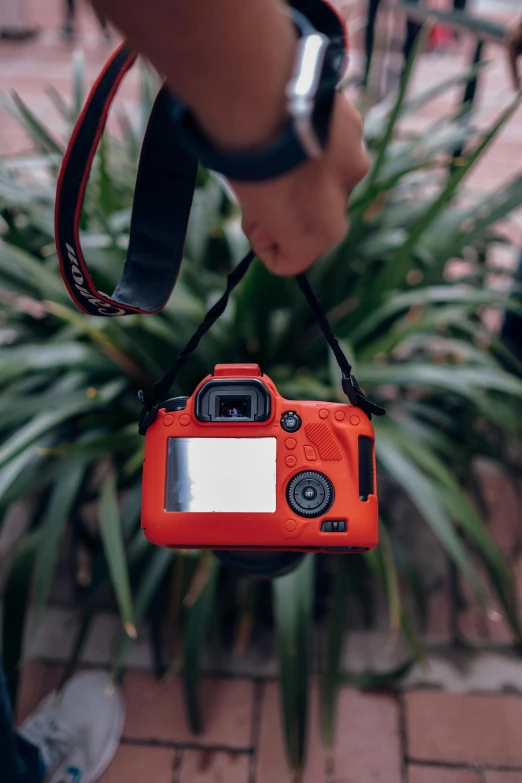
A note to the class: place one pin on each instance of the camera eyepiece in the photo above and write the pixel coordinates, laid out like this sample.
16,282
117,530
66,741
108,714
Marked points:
233,399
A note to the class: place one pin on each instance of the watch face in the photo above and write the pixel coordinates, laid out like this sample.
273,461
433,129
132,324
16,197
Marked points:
328,21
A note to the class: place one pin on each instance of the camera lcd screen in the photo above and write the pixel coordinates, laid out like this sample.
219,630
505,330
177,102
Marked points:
235,475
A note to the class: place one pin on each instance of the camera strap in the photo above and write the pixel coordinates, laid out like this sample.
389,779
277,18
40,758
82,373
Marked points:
162,199
152,402
163,195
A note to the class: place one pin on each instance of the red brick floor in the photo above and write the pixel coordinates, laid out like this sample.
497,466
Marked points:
464,729
418,774
414,737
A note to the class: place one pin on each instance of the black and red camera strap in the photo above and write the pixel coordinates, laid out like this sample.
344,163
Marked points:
163,195
162,199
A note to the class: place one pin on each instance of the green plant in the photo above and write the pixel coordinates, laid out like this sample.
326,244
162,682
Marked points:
68,382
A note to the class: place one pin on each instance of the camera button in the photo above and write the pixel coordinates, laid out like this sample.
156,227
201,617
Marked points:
310,453
290,421
168,419
291,460
355,420
339,415
290,443
310,494
323,413
290,525
185,419
334,526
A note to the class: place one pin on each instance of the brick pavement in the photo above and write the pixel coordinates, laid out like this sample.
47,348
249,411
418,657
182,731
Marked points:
410,737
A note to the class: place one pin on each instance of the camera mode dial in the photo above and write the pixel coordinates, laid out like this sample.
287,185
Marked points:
175,404
310,494
290,421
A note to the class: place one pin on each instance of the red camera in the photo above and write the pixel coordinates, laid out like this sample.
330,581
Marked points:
237,466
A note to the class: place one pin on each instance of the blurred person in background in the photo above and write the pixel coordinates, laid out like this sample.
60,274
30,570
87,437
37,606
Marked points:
69,26
13,21
411,32
413,28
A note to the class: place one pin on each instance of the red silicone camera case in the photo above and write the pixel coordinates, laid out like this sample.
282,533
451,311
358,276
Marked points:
326,442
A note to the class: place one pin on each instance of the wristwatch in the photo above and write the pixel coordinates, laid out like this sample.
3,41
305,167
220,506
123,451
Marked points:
310,97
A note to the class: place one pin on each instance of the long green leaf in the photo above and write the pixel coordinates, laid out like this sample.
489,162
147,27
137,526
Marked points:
460,20
58,102
198,618
400,302
381,562
16,361
433,91
16,600
114,548
61,502
378,680
30,273
424,495
16,466
458,505
335,634
468,381
150,581
389,573
394,115
45,422
78,96
36,129
401,261
293,606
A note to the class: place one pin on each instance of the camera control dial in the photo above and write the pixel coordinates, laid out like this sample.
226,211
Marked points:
310,493
175,404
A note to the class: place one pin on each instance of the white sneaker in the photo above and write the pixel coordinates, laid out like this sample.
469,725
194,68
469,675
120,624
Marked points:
77,730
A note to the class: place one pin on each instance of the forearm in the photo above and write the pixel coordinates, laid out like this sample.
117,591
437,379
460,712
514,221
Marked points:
229,60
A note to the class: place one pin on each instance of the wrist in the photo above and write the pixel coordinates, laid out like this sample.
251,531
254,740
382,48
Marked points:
249,107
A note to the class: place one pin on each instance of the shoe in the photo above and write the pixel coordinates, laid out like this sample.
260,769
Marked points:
77,730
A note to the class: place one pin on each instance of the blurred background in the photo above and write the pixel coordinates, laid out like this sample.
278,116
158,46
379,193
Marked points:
403,664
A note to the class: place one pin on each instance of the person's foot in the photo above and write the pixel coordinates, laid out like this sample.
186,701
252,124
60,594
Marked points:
77,730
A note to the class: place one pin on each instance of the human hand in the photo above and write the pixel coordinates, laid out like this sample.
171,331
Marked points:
230,62
293,219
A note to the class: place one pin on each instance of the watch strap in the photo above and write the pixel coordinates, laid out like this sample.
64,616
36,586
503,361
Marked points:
287,151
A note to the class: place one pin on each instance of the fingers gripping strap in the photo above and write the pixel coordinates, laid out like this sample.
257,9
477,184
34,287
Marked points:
162,200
